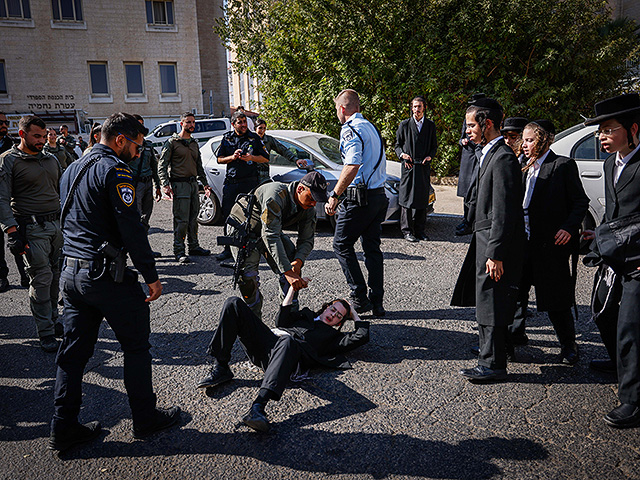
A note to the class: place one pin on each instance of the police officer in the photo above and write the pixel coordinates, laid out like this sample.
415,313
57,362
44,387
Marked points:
241,151
98,194
30,215
278,206
145,179
67,141
365,205
6,142
181,164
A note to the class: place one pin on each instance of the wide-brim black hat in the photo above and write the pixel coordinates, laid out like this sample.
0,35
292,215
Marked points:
615,107
514,124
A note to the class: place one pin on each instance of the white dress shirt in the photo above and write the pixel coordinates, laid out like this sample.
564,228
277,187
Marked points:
621,163
487,147
532,176
419,123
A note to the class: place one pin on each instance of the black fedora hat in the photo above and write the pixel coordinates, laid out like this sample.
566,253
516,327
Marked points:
487,102
514,124
615,107
475,97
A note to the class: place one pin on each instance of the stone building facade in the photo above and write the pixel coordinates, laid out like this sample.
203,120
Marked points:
155,58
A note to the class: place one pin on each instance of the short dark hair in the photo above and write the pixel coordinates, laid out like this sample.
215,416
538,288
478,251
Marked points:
344,303
122,123
28,120
138,117
186,115
260,121
64,126
236,115
239,107
482,114
420,99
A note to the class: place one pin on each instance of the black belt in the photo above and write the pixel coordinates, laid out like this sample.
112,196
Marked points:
182,179
371,191
50,217
233,180
79,262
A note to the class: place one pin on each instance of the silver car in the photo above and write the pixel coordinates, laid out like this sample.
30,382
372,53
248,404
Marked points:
321,152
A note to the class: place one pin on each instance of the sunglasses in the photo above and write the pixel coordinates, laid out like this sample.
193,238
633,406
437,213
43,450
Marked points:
139,147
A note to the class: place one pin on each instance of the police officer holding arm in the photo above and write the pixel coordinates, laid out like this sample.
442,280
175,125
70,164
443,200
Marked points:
101,224
365,205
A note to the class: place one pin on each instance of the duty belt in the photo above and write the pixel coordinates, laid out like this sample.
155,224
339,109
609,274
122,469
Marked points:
233,180
370,191
37,219
79,262
182,179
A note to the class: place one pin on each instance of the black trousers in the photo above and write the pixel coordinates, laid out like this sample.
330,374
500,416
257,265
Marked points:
86,303
413,221
355,222
277,355
493,346
619,326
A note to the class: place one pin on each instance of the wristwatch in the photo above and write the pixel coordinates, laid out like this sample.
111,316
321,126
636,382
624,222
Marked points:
333,194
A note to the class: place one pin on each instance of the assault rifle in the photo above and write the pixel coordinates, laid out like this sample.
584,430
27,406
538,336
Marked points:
242,238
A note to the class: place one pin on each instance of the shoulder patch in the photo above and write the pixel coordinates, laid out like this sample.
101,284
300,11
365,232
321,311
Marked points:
127,193
348,135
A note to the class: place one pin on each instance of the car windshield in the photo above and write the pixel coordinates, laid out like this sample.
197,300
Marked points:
330,147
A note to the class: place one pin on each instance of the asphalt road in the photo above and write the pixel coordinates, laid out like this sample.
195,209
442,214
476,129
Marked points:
402,412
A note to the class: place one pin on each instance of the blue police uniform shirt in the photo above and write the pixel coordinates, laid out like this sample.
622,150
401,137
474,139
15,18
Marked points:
103,209
361,145
239,169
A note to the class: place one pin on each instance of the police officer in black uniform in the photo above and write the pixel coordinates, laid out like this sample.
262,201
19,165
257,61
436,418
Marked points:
100,225
240,150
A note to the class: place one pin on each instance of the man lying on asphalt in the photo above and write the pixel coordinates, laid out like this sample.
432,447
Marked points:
302,340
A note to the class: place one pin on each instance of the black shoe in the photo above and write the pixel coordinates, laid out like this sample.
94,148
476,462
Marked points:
156,254
463,229
423,237
218,374
224,255
362,307
199,252
59,328
624,416
569,355
409,237
603,365
4,285
49,344
165,418
256,418
182,259
379,311
483,374
24,281
67,437
521,339
462,225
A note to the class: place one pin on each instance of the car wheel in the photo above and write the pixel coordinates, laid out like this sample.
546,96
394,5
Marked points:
587,224
210,211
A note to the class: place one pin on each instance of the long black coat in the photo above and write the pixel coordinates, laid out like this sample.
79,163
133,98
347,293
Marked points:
499,235
415,183
623,198
558,202
322,344
468,163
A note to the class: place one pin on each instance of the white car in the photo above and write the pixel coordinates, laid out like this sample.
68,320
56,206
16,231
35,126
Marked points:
321,152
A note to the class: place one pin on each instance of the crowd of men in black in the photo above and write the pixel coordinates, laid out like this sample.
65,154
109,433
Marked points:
74,221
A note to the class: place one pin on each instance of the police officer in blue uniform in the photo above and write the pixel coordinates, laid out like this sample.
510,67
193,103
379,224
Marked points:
365,204
240,150
100,225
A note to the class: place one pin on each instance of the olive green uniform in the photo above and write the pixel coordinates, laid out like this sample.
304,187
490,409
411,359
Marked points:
70,145
145,180
275,208
181,166
60,153
30,200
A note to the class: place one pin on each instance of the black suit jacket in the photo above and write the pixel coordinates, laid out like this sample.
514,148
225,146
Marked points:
415,182
558,202
623,198
322,344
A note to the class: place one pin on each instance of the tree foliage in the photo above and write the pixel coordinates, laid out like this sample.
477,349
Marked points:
540,58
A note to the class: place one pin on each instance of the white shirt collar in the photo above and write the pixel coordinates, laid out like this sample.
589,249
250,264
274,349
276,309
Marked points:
627,157
488,147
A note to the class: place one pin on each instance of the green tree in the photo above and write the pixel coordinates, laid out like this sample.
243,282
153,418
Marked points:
540,58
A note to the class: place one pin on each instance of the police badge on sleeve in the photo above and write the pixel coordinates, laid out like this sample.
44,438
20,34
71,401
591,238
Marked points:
127,193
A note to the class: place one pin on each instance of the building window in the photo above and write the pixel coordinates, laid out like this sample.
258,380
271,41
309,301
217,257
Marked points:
159,13
168,79
135,83
3,79
99,79
15,9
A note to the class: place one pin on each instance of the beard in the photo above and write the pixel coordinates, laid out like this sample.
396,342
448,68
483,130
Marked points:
35,147
126,156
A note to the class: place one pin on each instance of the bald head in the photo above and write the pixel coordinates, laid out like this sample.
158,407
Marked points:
347,103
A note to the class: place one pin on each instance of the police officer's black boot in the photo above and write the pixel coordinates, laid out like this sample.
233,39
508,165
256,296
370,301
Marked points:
224,255
64,437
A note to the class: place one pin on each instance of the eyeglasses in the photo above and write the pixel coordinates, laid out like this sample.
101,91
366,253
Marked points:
139,147
4,122
336,313
607,132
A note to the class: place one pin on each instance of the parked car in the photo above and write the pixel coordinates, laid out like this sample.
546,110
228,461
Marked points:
580,143
322,154
205,129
